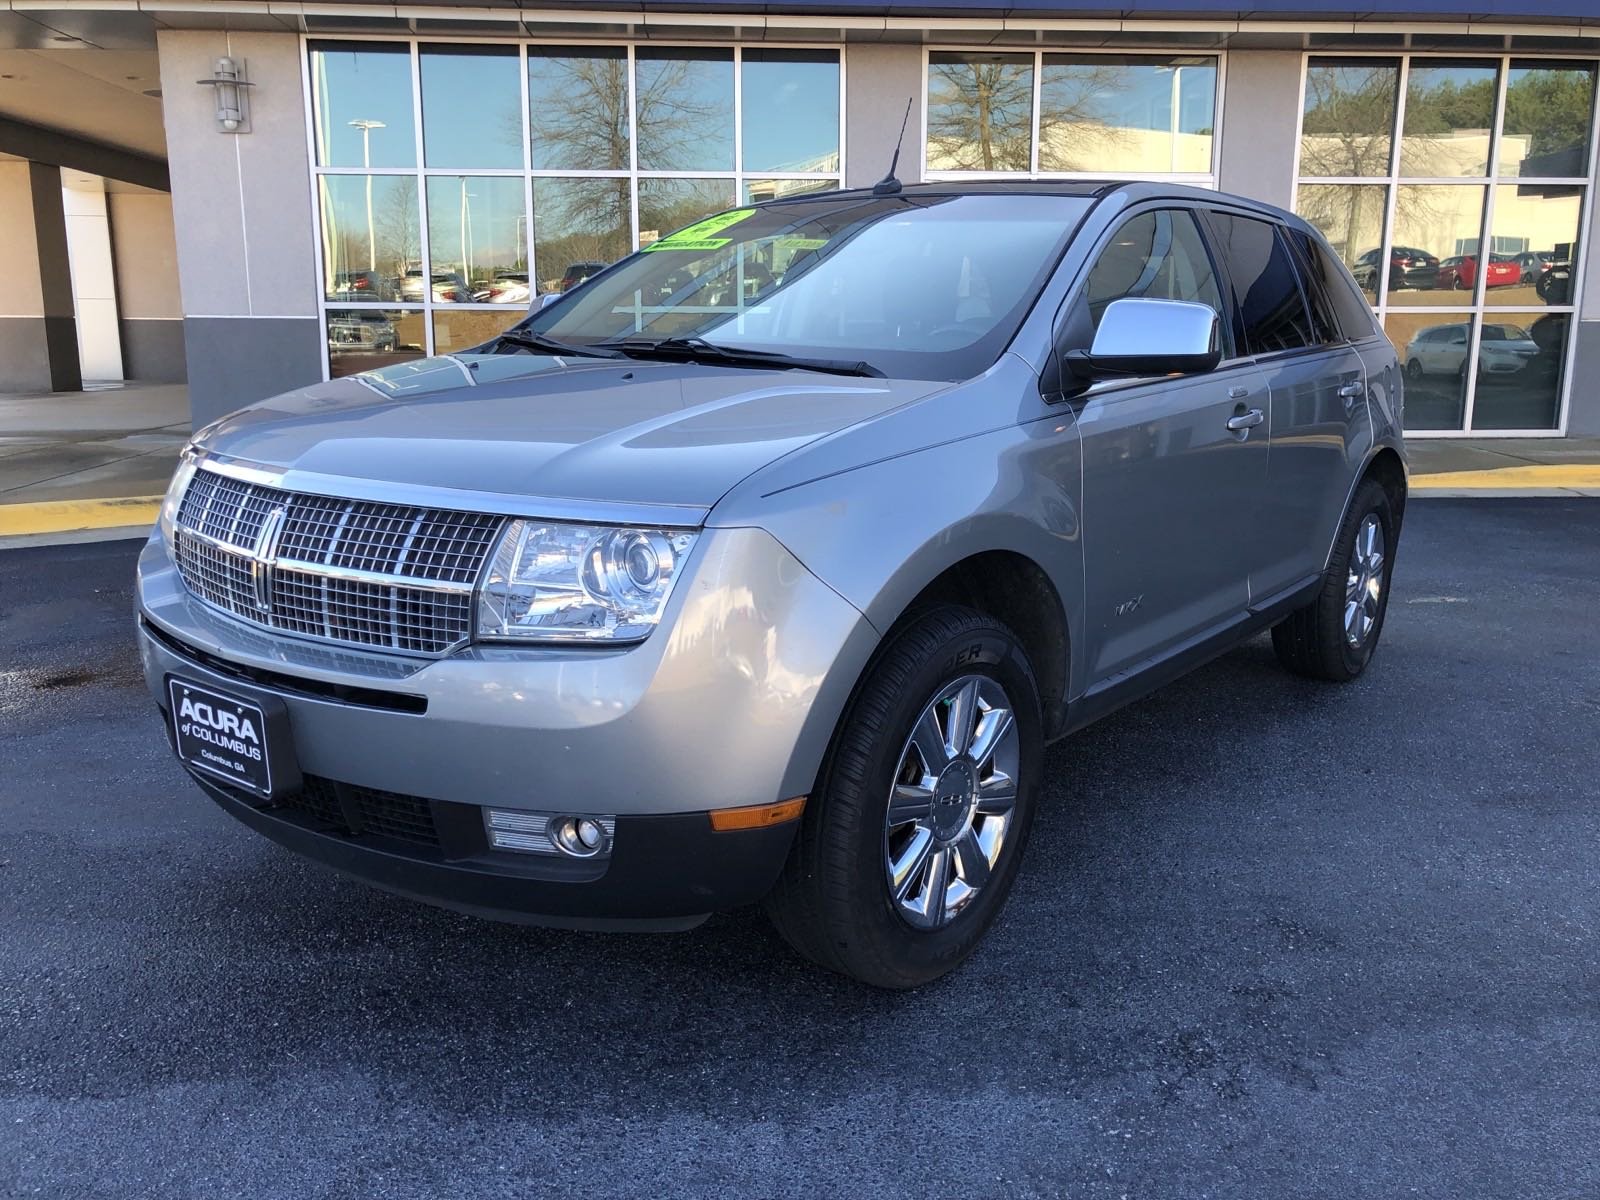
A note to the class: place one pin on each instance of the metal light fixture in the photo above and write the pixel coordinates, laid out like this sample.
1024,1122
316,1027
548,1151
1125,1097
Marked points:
228,83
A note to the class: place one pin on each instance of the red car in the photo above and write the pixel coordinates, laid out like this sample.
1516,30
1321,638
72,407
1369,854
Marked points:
1461,273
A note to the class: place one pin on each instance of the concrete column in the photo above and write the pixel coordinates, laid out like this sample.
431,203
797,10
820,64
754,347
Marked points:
879,81
38,335
150,315
1259,125
241,206
94,293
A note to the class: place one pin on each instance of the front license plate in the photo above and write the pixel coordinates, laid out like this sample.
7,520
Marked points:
224,736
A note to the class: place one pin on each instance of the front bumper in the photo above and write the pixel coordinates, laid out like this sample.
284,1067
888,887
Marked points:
732,703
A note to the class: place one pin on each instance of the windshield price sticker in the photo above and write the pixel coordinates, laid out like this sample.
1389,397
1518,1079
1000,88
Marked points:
702,234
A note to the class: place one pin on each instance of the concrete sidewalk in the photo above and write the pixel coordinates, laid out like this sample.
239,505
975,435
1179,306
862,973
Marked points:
83,466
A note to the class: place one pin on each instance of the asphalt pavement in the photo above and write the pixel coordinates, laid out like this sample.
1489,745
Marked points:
1272,939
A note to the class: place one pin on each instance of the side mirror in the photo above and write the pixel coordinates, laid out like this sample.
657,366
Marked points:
545,301
1140,336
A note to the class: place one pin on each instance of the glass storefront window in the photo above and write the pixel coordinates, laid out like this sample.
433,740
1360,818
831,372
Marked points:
579,226
463,218
669,204
458,329
1520,367
1144,114
756,190
684,100
363,339
1546,132
1347,124
1536,231
371,235
477,238
361,104
471,107
1350,216
1480,315
578,108
1433,254
1434,351
791,110
1449,118
980,112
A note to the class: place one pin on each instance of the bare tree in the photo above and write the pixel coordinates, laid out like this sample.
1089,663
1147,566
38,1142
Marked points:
980,115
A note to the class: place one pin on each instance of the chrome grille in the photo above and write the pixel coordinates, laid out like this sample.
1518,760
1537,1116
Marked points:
369,574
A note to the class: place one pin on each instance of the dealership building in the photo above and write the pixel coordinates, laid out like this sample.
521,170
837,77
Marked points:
255,195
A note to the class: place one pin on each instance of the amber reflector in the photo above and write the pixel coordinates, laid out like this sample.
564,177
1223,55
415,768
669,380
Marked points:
726,819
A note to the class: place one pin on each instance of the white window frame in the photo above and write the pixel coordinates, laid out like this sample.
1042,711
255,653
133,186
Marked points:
1477,311
1204,179
421,172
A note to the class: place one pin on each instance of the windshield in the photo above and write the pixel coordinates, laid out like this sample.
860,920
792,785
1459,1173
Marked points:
918,287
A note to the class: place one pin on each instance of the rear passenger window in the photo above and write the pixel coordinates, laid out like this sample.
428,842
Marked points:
1271,309
1158,255
1350,307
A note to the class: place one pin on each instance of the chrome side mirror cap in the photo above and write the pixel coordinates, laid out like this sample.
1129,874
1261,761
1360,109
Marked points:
1143,336
545,301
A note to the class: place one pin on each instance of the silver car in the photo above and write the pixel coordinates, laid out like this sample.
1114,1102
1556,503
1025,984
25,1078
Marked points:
763,567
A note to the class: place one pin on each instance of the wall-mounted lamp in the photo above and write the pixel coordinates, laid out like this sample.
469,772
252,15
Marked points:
228,83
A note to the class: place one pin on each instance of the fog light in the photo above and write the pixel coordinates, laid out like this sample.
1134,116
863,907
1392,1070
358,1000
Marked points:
549,833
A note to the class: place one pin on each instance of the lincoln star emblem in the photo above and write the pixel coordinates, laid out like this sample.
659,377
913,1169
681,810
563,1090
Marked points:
262,557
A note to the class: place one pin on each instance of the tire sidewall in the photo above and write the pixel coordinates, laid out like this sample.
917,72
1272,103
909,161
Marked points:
989,650
1371,499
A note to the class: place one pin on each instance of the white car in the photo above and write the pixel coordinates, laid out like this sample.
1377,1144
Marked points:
1443,349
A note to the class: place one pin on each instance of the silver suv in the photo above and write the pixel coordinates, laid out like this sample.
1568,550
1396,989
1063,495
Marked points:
764,566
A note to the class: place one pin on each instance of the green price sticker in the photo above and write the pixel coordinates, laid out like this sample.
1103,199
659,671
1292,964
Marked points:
701,235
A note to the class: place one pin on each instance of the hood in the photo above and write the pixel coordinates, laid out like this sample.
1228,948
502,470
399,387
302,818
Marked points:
625,432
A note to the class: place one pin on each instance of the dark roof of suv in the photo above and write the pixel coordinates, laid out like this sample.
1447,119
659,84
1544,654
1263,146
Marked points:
1094,189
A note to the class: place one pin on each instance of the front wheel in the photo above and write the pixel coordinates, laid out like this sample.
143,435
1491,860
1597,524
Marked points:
909,845
1334,636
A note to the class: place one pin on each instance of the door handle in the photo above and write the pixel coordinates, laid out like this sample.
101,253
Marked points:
1245,420
1352,390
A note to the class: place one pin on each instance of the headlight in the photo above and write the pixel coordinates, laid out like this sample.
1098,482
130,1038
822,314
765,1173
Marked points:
187,462
579,583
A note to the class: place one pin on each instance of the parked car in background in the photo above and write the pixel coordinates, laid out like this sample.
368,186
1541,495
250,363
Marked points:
1460,272
363,285
1443,350
448,287
1408,268
640,612
507,287
1531,264
354,329
579,272
1555,285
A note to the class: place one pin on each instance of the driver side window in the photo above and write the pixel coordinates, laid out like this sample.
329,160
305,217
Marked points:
1156,255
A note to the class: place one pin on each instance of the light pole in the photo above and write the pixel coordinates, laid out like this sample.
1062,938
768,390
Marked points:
1176,112
466,227
367,126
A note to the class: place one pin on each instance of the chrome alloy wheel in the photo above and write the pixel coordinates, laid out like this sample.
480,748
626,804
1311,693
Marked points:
1363,588
954,794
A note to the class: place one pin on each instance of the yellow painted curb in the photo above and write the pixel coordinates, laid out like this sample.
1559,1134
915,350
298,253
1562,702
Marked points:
1550,475
69,516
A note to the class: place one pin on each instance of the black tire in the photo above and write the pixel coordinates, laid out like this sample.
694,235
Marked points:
1414,368
832,902
1311,641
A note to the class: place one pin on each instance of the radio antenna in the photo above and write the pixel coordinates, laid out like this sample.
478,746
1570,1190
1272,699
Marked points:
889,185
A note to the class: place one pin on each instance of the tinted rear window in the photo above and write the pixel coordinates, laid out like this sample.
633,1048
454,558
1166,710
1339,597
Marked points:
1350,307
1267,292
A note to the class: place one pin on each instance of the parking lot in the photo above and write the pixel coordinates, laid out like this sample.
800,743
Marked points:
1272,938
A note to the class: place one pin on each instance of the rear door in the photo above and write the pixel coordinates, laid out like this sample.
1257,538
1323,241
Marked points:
1318,420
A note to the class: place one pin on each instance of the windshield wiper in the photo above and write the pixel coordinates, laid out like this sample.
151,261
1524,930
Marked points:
537,341
697,349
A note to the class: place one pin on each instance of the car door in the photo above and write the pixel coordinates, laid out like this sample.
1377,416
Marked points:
1174,469
1319,425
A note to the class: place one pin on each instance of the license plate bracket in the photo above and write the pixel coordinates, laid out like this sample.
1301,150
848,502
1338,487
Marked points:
242,742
